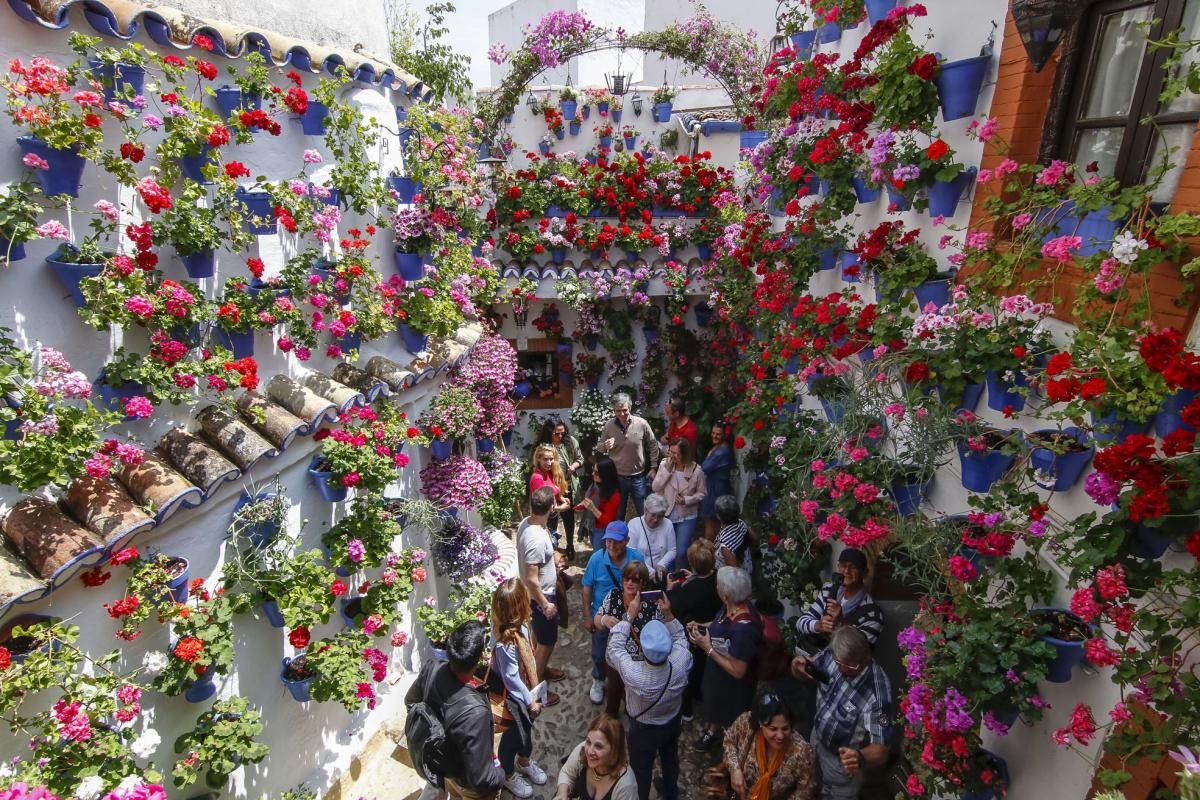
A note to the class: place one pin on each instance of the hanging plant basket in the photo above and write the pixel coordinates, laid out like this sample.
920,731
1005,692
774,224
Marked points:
118,79
1112,427
241,343
296,677
411,266
330,491
981,469
312,121
1003,394
830,32
415,342
200,265
230,100
441,449
944,195
1063,469
258,204
405,188
878,9
662,112
193,166
863,191
271,611
202,688
959,84
69,273
64,175
1067,636
804,42
1170,417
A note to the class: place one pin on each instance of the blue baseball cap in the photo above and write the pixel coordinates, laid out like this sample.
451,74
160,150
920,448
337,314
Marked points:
656,642
617,531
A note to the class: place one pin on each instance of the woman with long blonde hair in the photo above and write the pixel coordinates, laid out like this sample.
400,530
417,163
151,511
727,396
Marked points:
545,470
512,660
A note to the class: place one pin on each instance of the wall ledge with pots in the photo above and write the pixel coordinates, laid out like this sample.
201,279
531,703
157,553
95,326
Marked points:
49,541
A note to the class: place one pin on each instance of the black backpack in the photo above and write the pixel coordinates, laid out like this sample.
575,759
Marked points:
432,755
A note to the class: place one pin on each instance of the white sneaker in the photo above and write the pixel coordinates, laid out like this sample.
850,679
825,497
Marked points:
518,786
596,695
536,775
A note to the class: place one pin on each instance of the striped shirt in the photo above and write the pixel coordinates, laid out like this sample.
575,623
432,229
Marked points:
734,537
645,698
852,712
861,612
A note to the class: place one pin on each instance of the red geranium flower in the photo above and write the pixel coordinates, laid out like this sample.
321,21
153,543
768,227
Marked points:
189,649
123,556
299,637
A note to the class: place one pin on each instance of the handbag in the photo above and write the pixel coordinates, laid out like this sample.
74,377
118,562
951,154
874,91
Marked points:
502,718
716,783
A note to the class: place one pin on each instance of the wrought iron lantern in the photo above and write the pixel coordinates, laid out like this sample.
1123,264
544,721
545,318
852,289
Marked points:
1043,24
531,102
636,101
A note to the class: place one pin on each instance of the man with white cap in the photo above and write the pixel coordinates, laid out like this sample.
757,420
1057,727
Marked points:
654,688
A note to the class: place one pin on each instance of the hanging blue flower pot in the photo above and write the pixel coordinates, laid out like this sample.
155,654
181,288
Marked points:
959,84
441,449
1003,394
606,142
231,100
193,166
558,254
298,687
272,613
829,260
120,80
602,107
936,292
909,497
804,42
752,139
632,255
415,342
703,313
897,199
260,533
878,9
971,395
331,492
587,111
1150,543
1063,469
521,390
651,336
594,383
1068,652
631,143
863,191
258,205
12,428
70,274
350,342
1170,417
11,252
834,410
1112,427
177,585
574,127
200,265
112,396
851,267
569,108
560,134
662,112
830,32
202,687
944,195
544,148
704,251
312,121
981,469
999,767
64,175
616,114
411,266
404,187
484,445
405,135
591,341
507,437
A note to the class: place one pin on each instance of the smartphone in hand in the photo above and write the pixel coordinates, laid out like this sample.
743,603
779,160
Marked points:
651,597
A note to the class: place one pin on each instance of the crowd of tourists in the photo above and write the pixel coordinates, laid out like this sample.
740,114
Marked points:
676,639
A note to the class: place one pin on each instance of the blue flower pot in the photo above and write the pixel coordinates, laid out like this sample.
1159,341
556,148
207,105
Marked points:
1067,654
632,255
415,342
602,107
834,411
1170,417
1064,469
484,445
411,266
999,765
616,114
200,265
507,437
350,610
261,533
909,496
878,9
829,260
574,127
258,204
752,139
959,84
704,251
804,42
1002,394
591,342
64,175
12,428
11,252
178,586
898,199
404,187
120,80
944,195
982,469
240,343
651,335
792,366
405,135
703,314
111,396
330,492
298,689
1150,543
606,142
850,261
558,254
272,613
521,390
1111,427
936,292
863,191
587,111
70,274
441,449
830,32
230,100
631,143
202,687
569,107
349,342
560,134
312,121
662,112
544,148
193,166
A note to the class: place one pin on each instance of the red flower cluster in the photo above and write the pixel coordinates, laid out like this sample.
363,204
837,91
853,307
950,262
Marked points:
189,649
256,118
123,607
296,99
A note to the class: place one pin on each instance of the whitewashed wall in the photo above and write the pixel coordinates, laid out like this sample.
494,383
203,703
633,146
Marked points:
310,743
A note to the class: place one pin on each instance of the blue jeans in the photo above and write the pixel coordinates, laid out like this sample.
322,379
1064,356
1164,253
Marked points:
599,645
684,531
634,486
645,743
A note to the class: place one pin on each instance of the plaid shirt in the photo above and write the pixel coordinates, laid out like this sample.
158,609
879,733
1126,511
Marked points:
852,712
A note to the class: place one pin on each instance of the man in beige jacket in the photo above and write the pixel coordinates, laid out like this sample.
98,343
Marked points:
628,440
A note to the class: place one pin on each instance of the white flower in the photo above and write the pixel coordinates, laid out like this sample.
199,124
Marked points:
145,745
154,662
90,788
1126,246
129,783
7,769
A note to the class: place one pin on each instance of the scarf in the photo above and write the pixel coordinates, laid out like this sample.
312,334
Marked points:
766,769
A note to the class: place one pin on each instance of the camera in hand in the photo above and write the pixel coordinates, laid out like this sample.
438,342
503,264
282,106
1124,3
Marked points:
837,580
817,673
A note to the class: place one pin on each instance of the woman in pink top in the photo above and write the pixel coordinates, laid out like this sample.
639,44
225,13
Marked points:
546,471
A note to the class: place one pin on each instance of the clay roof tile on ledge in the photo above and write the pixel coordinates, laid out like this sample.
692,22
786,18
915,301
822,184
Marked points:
169,26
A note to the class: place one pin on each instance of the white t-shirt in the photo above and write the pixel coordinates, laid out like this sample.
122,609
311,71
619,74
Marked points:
534,546
657,544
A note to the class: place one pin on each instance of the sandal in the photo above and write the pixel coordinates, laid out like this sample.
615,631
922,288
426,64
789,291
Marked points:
554,674
552,699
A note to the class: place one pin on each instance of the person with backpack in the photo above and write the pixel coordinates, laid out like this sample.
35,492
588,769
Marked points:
731,644
449,726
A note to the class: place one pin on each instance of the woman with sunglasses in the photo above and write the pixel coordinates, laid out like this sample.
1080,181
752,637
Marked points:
635,579
767,758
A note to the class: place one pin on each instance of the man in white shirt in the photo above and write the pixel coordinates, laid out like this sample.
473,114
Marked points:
535,563
653,535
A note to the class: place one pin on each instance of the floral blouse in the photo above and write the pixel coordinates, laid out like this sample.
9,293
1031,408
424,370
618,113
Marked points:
795,778
614,606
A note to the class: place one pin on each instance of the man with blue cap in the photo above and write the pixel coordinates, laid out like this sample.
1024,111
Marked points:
654,686
603,573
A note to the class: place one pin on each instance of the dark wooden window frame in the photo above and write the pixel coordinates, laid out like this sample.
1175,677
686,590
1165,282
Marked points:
1074,73
566,391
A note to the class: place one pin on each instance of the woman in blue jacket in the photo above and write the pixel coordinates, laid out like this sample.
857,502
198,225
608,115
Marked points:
717,466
